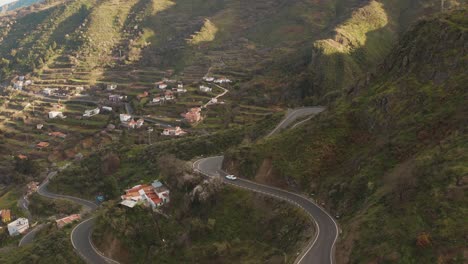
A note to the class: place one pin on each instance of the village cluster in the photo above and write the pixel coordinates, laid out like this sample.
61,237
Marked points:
153,195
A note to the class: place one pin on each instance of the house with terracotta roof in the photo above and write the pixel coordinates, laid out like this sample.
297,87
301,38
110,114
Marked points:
22,157
143,95
32,187
67,220
58,134
173,131
154,195
42,145
5,214
193,115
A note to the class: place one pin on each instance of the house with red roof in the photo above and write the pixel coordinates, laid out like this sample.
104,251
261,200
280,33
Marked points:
154,195
67,220
57,134
193,115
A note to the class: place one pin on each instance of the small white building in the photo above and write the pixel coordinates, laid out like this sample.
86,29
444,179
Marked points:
111,87
125,117
107,108
208,79
223,80
56,114
213,101
205,89
156,100
92,112
162,86
18,85
48,91
180,85
19,226
115,98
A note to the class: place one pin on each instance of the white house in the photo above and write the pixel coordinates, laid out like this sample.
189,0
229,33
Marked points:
156,100
115,98
161,190
125,117
205,89
107,108
18,85
208,79
56,114
180,90
223,80
111,87
180,85
213,101
19,226
48,91
162,86
92,112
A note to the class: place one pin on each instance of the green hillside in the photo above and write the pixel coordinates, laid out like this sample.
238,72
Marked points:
389,157
284,51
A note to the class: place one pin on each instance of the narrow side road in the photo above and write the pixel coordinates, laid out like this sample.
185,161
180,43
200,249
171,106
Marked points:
293,115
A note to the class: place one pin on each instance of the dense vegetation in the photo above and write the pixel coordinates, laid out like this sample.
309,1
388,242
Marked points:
45,207
51,246
390,155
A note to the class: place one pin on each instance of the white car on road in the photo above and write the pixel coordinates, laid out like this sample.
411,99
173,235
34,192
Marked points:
231,177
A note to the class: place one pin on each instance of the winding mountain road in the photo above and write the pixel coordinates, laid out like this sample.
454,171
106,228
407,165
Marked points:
321,248
81,234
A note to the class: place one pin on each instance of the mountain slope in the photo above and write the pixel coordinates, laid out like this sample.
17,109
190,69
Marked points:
389,157
283,51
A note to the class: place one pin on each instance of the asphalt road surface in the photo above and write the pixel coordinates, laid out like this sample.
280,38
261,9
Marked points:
293,115
81,234
321,248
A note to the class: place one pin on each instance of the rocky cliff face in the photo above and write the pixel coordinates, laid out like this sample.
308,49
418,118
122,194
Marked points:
387,156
